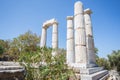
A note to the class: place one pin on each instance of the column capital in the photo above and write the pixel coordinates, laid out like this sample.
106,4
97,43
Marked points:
55,22
88,11
50,23
69,18
45,27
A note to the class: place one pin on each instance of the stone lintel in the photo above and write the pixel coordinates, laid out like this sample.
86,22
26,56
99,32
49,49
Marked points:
45,26
88,11
55,22
49,23
69,17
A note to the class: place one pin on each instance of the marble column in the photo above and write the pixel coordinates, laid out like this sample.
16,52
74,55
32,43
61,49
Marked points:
43,37
55,38
89,37
80,36
70,55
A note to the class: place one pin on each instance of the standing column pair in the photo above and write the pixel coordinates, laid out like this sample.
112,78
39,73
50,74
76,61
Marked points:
54,36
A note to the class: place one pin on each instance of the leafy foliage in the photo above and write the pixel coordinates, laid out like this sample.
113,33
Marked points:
114,59
48,67
26,42
4,45
102,62
112,63
1,50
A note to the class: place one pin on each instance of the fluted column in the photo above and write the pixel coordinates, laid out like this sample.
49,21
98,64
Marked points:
80,36
70,55
55,38
89,37
43,37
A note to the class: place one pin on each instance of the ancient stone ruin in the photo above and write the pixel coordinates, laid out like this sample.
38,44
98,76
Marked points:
80,53
80,45
11,71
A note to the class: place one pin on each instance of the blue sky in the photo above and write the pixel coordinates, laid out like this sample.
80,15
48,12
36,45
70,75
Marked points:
19,16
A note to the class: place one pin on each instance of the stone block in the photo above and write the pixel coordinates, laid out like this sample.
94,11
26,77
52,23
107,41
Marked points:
94,76
70,33
79,21
11,71
80,54
90,70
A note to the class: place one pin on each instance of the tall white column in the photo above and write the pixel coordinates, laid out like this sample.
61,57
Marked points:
70,55
80,36
43,38
55,38
89,37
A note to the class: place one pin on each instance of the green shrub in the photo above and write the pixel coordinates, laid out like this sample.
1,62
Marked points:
48,67
1,50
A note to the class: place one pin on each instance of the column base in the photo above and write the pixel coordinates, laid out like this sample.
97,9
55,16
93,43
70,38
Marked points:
101,75
91,65
91,70
88,71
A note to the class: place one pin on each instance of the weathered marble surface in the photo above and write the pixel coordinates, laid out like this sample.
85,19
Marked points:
55,38
43,37
80,35
95,76
70,55
89,37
